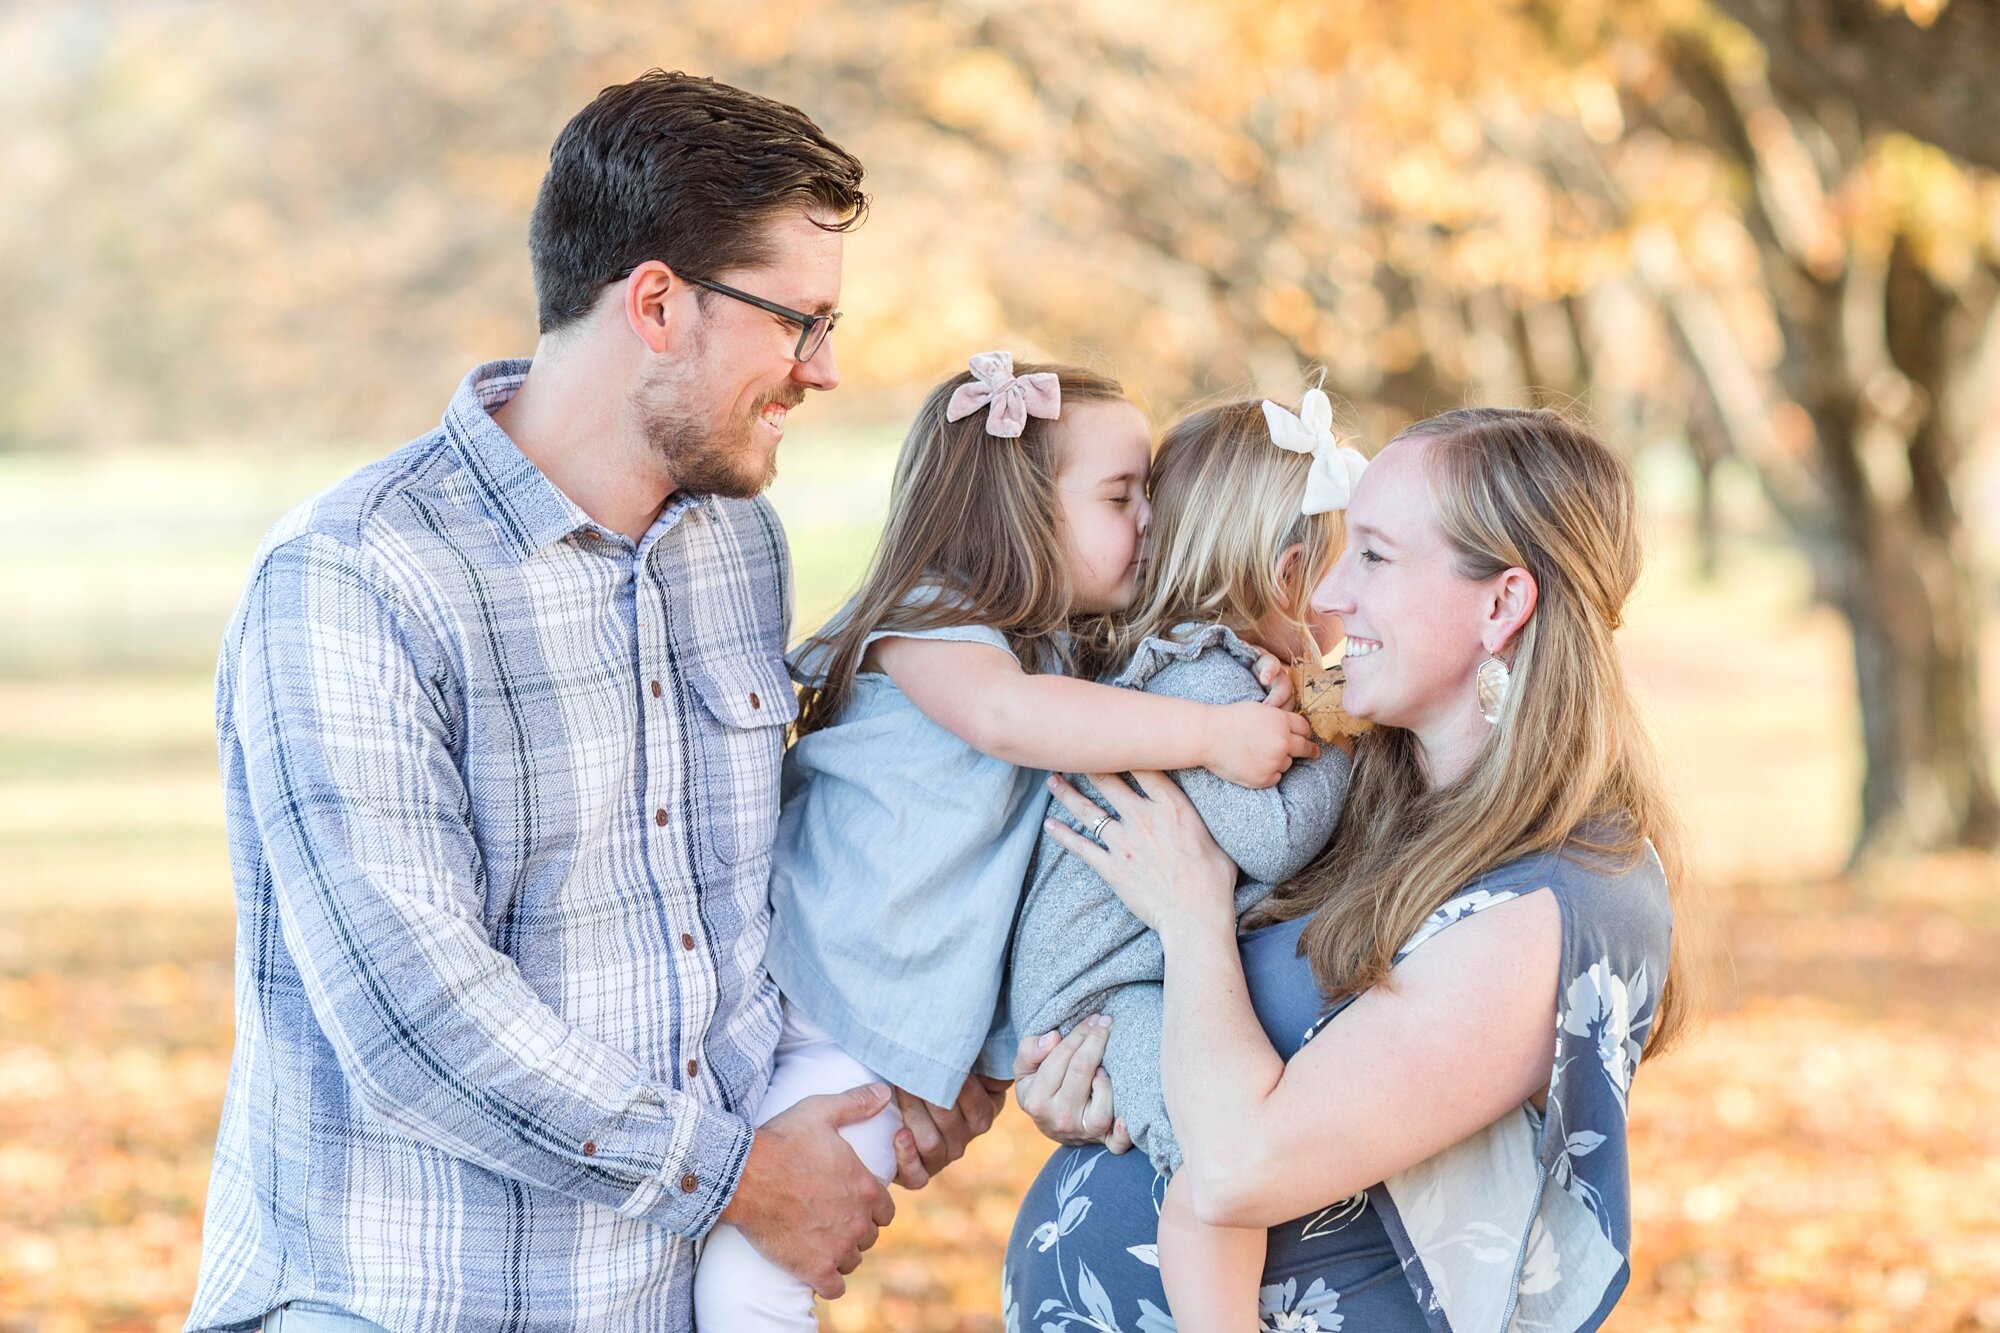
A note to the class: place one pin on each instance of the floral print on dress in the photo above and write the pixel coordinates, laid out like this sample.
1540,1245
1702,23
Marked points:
1613,1012
1281,1309
1524,1226
1085,1303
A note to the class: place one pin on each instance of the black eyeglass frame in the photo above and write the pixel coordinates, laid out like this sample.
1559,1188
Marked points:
813,329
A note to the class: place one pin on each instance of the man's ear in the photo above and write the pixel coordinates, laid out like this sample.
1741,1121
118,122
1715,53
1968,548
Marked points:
1510,602
656,304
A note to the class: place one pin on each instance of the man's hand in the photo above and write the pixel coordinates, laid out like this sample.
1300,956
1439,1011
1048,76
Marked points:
1062,1087
805,1200
933,1137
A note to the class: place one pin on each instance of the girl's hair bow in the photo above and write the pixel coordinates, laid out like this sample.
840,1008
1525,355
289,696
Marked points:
1009,399
1336,469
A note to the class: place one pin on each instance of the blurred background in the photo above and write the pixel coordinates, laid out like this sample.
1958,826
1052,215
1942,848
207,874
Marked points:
245,247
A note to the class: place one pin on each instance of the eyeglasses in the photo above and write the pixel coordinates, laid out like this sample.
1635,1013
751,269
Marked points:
812,328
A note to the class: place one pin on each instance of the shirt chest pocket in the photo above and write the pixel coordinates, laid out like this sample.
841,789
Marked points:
746,705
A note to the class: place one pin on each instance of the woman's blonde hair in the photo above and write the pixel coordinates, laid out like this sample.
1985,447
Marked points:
1569,768
1225,507
979,518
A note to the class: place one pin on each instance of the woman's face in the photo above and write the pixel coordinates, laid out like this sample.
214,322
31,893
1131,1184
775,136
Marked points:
1413,621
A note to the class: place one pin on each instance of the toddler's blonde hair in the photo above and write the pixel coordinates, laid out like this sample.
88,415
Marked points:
1225,507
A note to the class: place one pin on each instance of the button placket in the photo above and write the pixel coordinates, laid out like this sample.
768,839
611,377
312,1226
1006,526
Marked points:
669,729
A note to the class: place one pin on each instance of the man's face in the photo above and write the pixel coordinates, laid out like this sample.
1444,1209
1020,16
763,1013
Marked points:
716,408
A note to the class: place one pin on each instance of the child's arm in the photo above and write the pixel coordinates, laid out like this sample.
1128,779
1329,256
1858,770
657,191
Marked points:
1210,1273
1274,833
981,695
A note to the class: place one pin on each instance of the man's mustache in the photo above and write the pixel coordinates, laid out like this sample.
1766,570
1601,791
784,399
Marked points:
791,396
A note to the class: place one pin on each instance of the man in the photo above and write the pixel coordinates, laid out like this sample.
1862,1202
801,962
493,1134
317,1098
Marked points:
501,719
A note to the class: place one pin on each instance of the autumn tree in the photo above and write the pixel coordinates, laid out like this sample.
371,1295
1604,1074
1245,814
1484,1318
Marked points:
303,224
1613,201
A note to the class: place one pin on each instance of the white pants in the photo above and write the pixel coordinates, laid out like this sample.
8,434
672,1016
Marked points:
736,1289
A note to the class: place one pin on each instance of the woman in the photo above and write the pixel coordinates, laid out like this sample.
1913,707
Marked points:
1415,1072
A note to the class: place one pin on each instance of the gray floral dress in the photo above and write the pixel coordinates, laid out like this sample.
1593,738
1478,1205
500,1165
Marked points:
1525,1225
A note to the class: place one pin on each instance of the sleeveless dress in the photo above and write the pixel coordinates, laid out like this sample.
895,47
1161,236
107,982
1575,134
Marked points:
1523,1225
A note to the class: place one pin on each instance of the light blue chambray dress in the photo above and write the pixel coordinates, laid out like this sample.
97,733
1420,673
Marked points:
1523,1227
899,862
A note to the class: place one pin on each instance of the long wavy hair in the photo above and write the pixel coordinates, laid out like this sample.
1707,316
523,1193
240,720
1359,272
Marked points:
1569,768
978,518
1225,507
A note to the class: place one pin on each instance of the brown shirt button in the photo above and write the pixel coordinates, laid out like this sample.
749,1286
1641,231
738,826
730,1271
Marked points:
590,1149
690,1183
687,940
755,702
656,689
694,1067
660,818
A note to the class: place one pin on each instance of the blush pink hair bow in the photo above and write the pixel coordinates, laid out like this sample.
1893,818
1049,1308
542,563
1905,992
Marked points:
1009,399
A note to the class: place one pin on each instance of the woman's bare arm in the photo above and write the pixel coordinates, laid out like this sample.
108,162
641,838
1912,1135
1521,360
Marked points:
1464,1033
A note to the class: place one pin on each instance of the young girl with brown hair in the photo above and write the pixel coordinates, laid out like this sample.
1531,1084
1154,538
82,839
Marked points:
933,703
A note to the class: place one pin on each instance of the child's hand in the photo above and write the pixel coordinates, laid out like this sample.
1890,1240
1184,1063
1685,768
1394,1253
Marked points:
1279,691
1252,744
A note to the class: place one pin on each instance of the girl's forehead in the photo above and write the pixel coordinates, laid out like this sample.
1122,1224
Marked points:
1103,441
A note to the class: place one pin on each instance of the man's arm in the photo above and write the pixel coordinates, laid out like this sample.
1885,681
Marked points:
380,894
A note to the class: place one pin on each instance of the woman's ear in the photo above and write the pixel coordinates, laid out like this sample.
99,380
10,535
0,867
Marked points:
1511,602
1286,571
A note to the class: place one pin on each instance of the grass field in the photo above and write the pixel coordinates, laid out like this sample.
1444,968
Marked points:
1824,1155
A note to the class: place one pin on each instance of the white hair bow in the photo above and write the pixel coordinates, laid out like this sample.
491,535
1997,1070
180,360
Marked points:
1009,399
1336,469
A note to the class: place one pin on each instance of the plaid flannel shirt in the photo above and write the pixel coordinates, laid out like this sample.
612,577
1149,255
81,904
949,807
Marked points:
501,787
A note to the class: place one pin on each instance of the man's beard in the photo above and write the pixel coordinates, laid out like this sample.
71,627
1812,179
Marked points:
705,460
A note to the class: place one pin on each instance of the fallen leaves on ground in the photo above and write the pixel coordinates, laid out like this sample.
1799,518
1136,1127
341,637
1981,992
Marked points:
1823,1154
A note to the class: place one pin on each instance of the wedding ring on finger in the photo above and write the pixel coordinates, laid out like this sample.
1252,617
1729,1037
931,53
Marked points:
1097,829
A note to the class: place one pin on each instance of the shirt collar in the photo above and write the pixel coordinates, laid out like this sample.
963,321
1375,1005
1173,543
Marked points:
529,508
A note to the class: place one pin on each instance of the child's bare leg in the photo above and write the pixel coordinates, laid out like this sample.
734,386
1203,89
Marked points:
1210,1272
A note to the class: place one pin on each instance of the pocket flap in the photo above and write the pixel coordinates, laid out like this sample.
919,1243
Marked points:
747,692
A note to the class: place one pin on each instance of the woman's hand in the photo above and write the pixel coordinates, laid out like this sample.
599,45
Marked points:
1064,1089
1156,854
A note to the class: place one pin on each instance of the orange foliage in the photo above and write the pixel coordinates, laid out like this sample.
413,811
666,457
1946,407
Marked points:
1823,1155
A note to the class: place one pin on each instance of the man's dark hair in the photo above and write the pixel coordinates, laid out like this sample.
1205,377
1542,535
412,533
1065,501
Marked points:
680,169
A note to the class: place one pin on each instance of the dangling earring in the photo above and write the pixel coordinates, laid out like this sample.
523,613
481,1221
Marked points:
1491,688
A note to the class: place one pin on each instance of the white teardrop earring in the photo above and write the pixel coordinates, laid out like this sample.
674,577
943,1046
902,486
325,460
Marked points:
1490,686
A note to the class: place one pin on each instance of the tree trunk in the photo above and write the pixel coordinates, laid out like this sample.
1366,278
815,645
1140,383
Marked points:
1869,355
1908,591
1932,80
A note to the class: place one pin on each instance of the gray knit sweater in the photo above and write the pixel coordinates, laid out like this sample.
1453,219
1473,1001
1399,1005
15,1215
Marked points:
1078,951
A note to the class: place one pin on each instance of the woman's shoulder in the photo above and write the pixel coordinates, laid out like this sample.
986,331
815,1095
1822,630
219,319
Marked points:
1196,660
1601,893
